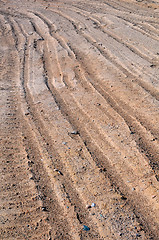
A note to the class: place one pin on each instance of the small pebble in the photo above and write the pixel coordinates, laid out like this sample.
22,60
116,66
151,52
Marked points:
93,205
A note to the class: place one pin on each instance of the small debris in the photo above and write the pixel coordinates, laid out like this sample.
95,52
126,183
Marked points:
132,132
124,198
138,235
152,65
153,196
133,189
44,209
74,132
56,170
88,206
85,228
64,143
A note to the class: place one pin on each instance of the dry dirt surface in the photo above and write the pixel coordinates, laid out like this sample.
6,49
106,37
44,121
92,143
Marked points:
79,112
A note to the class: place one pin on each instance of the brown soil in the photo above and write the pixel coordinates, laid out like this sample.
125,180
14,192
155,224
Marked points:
79,111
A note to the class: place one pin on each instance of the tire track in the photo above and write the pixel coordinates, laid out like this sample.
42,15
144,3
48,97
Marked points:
43,37
55,73
61,103
110,57
45,167
143,142
44,130
54,92
18,191
44,134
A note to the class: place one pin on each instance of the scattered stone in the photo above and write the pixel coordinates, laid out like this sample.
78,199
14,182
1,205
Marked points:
64,143
133,189
85,228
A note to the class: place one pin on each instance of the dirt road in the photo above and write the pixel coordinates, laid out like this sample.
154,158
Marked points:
79,112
